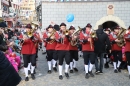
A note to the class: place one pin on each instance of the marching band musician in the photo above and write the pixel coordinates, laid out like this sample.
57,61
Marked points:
73,50
116,50
29,51
62,48
127,48
50,47
88,50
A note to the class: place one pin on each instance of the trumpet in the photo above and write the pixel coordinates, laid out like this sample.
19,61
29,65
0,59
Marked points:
66,32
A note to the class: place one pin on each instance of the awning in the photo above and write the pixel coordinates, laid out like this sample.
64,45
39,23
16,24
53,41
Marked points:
1,19
35,22
25,21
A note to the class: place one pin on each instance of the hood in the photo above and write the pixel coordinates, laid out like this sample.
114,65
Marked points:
99,31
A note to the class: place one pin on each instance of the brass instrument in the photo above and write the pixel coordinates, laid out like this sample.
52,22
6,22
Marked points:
120,37
92,35
75,41
66,32
34,25
51,36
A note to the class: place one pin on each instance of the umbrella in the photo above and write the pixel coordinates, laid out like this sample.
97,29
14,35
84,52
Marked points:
3,24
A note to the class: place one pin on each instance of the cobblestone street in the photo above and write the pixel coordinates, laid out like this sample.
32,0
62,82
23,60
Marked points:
108,78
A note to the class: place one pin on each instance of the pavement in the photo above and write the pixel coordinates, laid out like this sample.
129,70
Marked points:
108,78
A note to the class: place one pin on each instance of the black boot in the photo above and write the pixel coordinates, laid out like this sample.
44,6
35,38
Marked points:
32,76
71,71
87,76
106,65
29,72
75,69
67,75
49,71
91,74
34,71
60,77
26,79
115,71
54,68
119,70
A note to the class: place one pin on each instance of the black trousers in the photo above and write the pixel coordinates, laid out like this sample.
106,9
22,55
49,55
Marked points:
40,45
89,56
128,57
37,53
105,55
51,54
117,55
79,47
63,54
27,58
73,55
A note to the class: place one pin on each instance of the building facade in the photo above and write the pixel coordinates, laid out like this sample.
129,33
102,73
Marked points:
10,12
97,12
27,11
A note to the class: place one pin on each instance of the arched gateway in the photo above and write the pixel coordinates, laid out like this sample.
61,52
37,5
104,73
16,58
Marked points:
111,18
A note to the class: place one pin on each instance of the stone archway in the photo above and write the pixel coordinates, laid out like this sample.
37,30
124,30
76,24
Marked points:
110,18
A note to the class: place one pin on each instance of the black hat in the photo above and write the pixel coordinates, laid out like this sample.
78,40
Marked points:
46,28
72,27
56,27
89,25
116,27
50,26
29,26
62,24
107,29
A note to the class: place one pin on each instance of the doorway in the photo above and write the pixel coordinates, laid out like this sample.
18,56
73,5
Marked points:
109,24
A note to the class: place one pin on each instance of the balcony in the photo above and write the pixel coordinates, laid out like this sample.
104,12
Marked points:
5,2
4,14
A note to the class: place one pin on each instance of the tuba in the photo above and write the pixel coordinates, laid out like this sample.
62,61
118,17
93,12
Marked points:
75,41
120,36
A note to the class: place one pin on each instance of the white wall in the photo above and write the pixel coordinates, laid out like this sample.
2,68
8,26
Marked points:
84,12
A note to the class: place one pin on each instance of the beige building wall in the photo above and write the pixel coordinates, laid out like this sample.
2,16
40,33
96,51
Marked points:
28,5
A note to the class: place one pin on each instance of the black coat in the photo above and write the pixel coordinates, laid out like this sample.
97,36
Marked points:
8,75
10,34
2,42
102,42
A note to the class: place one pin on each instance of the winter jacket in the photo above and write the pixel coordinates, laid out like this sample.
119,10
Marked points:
102,42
